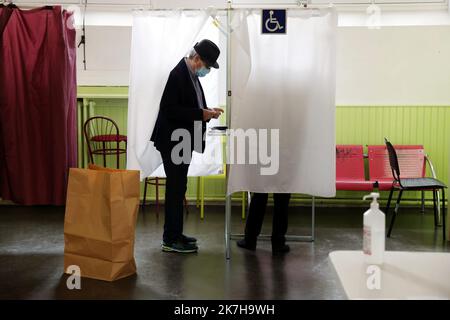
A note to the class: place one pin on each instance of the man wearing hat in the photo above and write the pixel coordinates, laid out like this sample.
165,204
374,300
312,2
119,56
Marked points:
183,106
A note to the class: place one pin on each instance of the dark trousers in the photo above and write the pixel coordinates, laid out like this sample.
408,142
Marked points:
256,216
176,185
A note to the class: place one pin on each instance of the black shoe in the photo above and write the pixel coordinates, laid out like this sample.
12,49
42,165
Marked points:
188,240
280,249
249,245
179,246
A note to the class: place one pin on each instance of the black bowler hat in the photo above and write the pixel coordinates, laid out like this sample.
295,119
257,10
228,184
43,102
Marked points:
208,52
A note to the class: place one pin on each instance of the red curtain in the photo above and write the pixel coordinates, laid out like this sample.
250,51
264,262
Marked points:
37,104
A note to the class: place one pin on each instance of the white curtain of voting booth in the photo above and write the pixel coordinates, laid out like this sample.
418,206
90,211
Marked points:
159,40
286,82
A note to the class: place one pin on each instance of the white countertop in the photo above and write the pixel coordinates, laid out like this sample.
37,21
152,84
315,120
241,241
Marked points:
403,275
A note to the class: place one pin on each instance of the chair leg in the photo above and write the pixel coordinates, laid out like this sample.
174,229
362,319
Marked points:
439,213
126,148
157,196
422,209
145,193
104,154
444,212
243,204
202,198
198,192
435,209
117,155
386,211
397,205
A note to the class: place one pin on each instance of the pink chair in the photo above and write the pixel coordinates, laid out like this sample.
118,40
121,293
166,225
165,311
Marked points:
350,169
411,159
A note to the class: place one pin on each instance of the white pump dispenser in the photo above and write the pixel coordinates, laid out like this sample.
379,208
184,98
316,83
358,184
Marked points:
374,232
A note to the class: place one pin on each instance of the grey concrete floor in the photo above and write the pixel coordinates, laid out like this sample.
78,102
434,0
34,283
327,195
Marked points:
32,245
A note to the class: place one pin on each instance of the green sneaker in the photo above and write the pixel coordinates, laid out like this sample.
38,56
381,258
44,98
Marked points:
179,247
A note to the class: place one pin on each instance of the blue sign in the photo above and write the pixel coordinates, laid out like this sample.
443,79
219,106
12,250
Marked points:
273,21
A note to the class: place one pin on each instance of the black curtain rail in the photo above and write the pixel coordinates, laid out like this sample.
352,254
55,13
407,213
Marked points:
13,6
10,5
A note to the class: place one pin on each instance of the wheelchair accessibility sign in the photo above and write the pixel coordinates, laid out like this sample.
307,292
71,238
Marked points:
273,21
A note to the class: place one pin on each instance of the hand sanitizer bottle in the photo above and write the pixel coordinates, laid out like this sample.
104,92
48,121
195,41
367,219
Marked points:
374,232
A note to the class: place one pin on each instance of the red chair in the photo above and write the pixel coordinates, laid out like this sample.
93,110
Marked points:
103,138
157,182
411,159
350,169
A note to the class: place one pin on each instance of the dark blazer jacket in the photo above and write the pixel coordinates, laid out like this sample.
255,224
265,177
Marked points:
179,108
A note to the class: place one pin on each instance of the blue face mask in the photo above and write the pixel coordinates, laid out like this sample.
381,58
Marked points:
202,72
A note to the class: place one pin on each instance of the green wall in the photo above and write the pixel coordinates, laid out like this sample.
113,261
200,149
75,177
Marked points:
425,125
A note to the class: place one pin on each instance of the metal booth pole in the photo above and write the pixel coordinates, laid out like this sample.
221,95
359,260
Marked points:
227,196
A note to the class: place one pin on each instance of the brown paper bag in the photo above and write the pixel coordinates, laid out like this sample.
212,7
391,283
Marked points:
100,221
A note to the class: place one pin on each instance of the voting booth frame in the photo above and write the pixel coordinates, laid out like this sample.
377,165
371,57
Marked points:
228,232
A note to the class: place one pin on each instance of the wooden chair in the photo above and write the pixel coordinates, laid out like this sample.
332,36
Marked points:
103,138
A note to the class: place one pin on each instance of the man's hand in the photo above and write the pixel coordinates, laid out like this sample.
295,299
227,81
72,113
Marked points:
211,113
220,110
